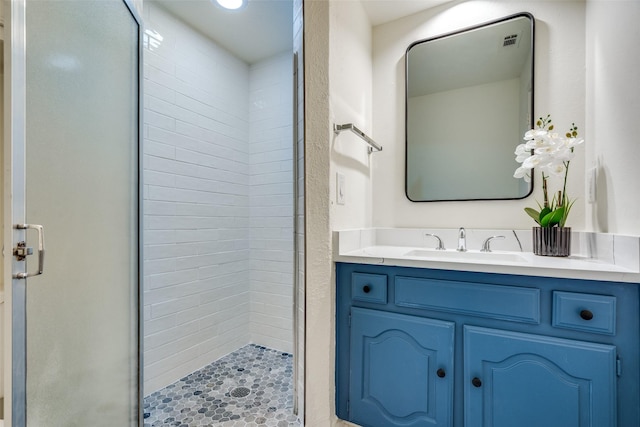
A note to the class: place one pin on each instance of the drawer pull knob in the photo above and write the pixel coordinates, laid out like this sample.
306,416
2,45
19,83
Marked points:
366,289
441,373
476,382
586,314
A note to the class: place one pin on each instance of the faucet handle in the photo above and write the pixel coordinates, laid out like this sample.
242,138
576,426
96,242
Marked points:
440,246
486,245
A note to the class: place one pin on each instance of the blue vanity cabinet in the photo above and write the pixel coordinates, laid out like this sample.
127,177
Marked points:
424,347
537,380
402,369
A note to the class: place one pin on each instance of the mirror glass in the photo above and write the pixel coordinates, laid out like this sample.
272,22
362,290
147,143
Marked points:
469,101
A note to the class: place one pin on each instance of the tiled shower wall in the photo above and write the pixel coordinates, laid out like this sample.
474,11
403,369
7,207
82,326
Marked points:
271,202
207,242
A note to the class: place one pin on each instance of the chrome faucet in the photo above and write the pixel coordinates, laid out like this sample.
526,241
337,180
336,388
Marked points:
440,246
462,240
486,246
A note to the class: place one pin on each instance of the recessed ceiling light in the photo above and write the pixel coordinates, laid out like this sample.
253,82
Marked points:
231,4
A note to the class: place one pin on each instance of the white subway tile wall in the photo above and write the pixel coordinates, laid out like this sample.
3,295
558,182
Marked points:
218,201
271,202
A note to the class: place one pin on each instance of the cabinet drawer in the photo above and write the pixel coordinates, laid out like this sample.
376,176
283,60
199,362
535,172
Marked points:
494,301
369,287
584,312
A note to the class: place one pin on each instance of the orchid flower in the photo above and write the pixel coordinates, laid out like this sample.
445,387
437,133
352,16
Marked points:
551,154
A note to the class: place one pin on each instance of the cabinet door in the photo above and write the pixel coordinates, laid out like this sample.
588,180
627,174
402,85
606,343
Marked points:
514,379
401,370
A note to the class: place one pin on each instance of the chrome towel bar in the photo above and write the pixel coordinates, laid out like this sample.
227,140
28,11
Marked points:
374,146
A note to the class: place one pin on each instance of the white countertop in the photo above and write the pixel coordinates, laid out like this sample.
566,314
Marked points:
597,257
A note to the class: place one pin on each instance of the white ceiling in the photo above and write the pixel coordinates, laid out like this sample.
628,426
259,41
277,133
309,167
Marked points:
260,30
382,11
265,27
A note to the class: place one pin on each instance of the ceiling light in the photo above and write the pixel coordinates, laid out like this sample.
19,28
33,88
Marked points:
231,4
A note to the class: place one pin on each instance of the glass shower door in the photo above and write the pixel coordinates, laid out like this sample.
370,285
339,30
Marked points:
74,73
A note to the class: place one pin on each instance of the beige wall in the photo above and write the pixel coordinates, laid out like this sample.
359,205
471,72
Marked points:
613,108
319,291
350,101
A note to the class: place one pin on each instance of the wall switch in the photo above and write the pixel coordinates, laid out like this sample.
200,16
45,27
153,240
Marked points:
340,188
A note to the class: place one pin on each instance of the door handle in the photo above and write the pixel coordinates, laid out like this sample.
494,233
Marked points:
22,251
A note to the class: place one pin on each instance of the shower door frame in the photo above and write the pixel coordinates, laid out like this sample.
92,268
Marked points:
14,197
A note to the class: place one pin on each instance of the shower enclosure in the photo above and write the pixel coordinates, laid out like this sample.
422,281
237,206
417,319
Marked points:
222,285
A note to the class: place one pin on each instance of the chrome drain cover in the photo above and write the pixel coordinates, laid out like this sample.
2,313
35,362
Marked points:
240,392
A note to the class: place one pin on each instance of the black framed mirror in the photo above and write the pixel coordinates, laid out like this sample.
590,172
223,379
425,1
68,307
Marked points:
469,101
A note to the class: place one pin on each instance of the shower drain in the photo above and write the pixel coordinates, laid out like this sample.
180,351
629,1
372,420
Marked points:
240,392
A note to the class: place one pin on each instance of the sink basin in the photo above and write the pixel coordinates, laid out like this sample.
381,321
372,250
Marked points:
466,256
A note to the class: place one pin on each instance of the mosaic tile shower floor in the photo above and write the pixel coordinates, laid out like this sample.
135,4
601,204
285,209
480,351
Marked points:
248,388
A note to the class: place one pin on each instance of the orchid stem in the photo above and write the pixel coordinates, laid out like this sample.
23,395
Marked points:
564,186
544,191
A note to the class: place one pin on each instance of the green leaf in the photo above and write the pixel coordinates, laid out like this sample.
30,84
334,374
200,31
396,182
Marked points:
544,221
553,218
533,214
544,212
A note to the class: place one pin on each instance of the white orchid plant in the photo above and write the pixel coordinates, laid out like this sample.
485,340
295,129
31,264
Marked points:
551,154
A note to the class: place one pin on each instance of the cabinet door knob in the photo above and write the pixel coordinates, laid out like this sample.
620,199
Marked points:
586,314
476,382
441,373
366,289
